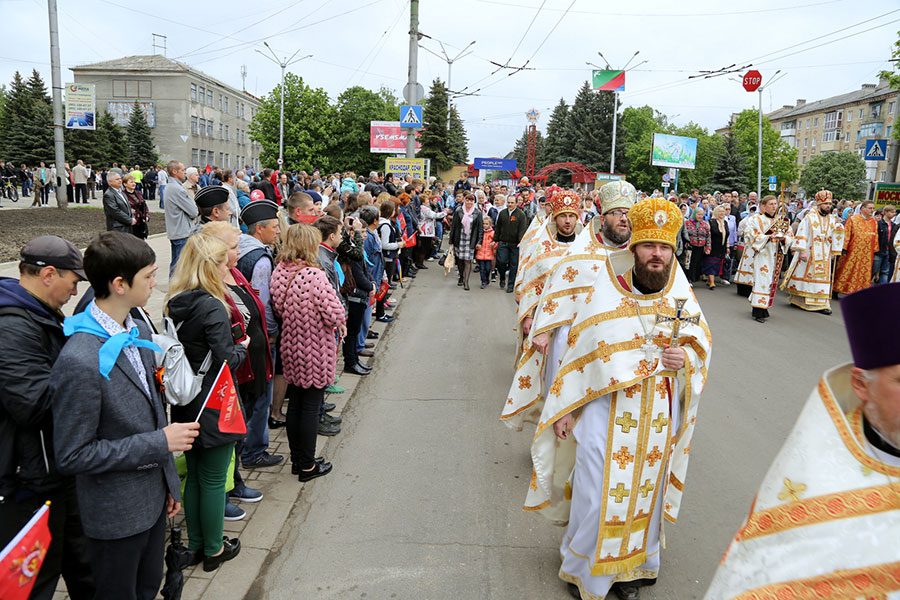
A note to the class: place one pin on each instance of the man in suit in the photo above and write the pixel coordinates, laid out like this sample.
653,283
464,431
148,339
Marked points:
111,423
883,264
116,207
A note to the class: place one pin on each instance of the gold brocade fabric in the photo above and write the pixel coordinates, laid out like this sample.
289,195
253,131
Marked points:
854,269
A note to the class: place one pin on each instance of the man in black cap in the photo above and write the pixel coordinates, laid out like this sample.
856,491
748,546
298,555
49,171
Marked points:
828,507
256,264
31,321
212,201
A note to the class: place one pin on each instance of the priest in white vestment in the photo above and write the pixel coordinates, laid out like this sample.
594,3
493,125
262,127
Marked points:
764,248
611,450
819,238
583,259
826,520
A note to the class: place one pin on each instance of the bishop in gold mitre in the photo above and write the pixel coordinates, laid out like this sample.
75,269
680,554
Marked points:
826,520
611,450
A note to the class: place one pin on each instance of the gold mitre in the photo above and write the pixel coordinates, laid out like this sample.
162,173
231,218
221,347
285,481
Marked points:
824,196
655,220
617,194
565,201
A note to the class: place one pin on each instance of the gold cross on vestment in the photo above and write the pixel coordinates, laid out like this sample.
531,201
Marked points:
654,455
662,388
626,422
623,457
660,422
678,319
791,490
646,488
619,492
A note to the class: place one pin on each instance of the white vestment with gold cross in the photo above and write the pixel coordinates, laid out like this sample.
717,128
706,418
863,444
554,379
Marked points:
570,285
757,266
528,241
625,464
826,520
809,281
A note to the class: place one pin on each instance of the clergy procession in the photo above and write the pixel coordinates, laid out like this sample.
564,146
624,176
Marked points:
612,357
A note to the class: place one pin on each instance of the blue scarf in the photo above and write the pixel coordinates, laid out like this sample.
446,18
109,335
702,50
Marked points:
340,272
84,322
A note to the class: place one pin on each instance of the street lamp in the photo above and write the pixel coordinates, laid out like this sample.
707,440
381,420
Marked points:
283,64
612,159
446,58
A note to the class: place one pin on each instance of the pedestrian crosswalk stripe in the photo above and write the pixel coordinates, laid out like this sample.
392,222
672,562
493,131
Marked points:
411,118
875,151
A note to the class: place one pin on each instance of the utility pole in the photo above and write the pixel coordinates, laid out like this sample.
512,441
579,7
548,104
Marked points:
615,116
759,151
412,78
446,58
283,64
58,125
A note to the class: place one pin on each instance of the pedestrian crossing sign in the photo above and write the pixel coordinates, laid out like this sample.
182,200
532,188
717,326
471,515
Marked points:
410,116
876,150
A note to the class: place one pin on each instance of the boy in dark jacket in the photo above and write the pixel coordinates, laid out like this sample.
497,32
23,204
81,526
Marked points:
31,321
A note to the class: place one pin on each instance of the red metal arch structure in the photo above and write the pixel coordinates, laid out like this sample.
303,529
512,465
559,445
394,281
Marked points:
579,172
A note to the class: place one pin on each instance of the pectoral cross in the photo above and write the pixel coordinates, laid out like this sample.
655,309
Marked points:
648,347
678,319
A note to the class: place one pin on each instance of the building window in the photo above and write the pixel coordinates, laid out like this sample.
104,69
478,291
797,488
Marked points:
870,130
211,157
132,88
221,156
209,97
202,126
209,128
861,112
202,162
220,102
804,160
807,123
202,93
195,157
221,129
194,126
226,104
887,130
806,142
227,134
883,176
891,108
816,122
814,142
227,163
876,110
833,120
849,115
193,92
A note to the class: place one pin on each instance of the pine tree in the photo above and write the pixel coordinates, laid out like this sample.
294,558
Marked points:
27,136
86,145
520,152
435,138
730,163
111,142
459,141
589,130
139,139
556,147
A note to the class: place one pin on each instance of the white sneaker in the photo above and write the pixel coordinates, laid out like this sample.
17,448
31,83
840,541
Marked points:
725,282
430,259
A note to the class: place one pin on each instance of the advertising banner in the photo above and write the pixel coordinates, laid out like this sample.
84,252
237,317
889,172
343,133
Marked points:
121,112
80,106
495,164
673,151
406,166
887,193
387,137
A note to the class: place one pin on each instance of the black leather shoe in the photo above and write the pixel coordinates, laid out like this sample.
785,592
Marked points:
196,558
825,311
328,406
330,420
295,468
509,290
328,430
275,423
626,591
319,470
759,319
573,591
459,283
373,335
230,549
502,283
357,370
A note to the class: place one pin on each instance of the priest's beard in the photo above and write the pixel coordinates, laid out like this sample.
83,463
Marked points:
824,212
651,281
888,428
610,233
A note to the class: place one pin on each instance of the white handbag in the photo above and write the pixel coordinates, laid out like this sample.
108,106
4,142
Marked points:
179,383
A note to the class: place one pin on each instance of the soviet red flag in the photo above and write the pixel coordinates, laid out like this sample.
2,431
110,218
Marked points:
22,558
223,398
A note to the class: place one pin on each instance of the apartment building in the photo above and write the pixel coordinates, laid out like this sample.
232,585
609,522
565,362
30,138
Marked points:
195,119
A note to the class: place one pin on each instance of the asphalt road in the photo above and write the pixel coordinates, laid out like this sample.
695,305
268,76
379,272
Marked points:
425,499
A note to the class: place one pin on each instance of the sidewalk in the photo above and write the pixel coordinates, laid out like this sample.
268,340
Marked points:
259,531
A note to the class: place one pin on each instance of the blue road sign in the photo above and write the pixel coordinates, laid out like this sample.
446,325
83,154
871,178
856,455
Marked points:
773,179
410,116
876,150
495,164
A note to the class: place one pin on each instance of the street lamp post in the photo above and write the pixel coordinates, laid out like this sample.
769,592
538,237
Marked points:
760,136
446,58
284,64
612,156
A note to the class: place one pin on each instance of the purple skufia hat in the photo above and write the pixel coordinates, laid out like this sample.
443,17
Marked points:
872,344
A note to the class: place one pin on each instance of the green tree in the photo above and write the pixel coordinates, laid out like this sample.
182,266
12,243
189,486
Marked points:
459,141
111,141
638,126
26,135
520,151
309,127
435,137
589,130
893,76
86,145
729,173
844,173
708,147
556,146
778,158
356,108
139,139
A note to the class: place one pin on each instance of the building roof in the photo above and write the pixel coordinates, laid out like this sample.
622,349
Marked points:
152,63
868,91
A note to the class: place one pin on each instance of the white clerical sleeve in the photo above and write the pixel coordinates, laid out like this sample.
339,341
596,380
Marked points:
803,239
757,237
837,237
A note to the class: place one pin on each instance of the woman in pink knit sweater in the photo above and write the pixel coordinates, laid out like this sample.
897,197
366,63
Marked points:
310,312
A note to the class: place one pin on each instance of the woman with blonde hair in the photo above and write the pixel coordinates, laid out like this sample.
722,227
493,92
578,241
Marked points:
714,262
382,197
310,311
197,303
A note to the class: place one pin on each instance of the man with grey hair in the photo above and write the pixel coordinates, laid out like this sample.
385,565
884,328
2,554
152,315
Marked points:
374,185
191,182
180,209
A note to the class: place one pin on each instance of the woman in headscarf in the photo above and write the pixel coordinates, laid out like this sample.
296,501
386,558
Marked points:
718,233
466,234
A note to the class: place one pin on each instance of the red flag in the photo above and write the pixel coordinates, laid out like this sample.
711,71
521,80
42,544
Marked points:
22,558
223,397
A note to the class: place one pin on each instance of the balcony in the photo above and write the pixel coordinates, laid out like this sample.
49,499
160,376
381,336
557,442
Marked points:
789,132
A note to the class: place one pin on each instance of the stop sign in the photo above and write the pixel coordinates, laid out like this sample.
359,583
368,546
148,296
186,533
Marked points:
752,80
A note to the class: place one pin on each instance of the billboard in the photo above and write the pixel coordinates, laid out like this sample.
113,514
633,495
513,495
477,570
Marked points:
495,164
406,166
121,112
886,193
673,151
387,137
80,108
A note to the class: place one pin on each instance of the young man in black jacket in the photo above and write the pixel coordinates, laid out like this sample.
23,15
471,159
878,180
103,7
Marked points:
31,321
